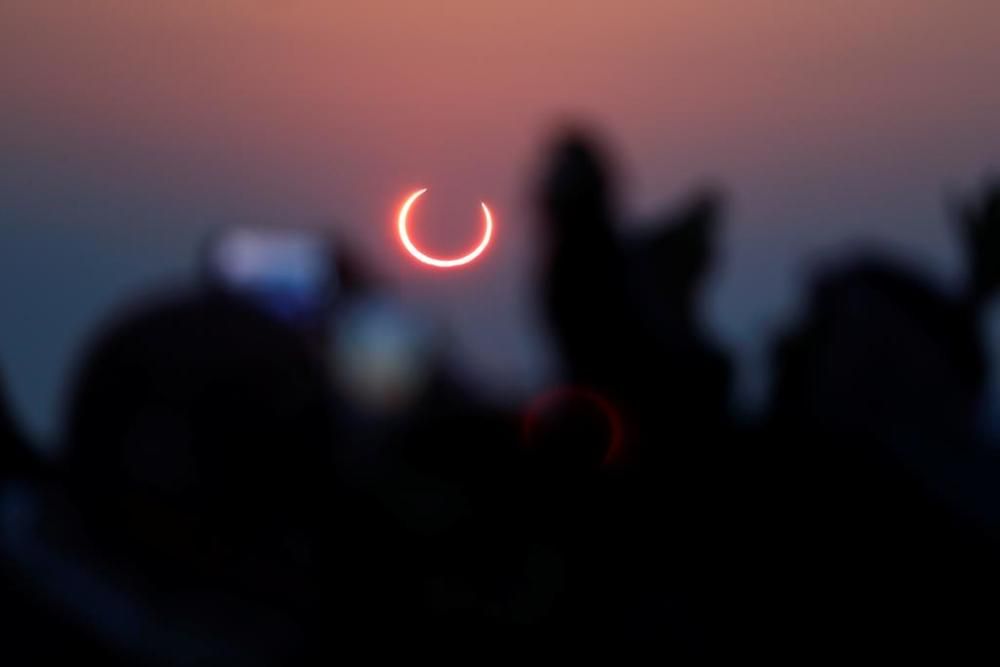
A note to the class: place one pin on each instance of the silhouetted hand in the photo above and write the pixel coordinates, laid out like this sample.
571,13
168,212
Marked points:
979,219
576,193
685,242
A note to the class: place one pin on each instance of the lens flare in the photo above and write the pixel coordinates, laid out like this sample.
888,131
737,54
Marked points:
404,236
579,396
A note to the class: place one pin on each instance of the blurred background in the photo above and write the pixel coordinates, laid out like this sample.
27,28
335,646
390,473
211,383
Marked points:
725,382
132,131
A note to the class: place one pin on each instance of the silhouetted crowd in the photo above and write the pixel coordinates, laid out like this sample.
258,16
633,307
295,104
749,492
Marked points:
225,490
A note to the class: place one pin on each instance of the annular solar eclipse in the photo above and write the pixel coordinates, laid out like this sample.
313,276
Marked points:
440,262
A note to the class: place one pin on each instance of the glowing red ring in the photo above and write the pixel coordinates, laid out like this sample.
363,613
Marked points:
540,404
433,261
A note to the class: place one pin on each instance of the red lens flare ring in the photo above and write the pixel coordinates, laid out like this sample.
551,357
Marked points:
561,395
404,236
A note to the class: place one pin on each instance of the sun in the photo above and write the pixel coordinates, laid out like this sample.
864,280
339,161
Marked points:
437,262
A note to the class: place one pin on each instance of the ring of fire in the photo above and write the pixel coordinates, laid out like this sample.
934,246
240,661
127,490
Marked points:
404,236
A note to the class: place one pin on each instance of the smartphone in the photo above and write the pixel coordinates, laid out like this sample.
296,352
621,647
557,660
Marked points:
289,273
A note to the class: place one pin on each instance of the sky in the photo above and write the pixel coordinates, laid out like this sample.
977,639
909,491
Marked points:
130,130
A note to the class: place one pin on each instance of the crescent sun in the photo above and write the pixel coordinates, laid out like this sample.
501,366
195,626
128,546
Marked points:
404,236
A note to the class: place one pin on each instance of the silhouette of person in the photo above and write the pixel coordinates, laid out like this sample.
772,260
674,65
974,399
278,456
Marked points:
624,314
585,292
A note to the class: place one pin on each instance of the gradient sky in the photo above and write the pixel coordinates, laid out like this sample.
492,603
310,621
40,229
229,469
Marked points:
129,129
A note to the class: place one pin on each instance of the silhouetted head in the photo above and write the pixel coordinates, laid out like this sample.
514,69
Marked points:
199,427
577,193
881,353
